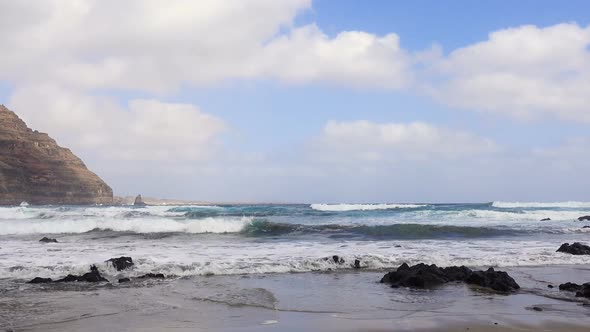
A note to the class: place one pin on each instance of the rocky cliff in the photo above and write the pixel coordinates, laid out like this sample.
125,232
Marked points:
33,168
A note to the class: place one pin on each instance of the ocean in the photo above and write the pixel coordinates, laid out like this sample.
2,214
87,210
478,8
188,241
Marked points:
250,239
248,267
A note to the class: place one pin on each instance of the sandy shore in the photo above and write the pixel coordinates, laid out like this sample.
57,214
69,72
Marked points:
349,301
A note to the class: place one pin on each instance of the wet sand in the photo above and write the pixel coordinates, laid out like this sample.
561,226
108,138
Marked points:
344,301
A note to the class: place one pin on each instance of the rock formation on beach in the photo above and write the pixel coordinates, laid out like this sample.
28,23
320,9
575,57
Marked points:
33,168
428,276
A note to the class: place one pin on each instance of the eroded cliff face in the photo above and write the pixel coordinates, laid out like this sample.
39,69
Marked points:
33,168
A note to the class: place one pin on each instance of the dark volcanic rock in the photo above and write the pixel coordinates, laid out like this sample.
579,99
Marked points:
497,280
357,264
139,201
337,259
581,290
546,219
575,249
39,280
121,263
33,168
587,218
122,280
92,276
585,291
457,273
570,287
586,226
427,276
152,276
424,276
48,240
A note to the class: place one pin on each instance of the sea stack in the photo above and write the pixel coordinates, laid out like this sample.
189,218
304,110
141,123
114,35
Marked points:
139,201
34,169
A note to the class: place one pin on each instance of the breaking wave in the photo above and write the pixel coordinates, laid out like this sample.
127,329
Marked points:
570,204
395,231
362,207
206,225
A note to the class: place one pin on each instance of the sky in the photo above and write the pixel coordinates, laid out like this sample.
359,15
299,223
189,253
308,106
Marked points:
310,101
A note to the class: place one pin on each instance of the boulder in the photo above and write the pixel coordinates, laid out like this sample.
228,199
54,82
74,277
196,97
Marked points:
92,276
423,276
585,291
586,226
48,240
546,219
580,290
584,218
497,280
457,273
122,280
570,287
357,264
575,249
428,276
39,280
139,201
121,263
152,276
337,259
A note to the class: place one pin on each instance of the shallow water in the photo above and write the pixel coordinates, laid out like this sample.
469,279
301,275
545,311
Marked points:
330,301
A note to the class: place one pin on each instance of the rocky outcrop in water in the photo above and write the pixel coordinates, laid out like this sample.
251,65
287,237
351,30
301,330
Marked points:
428,276
139,201
48,240
121,263
152,276
497,280
580,290
92,276
584,218
39,280
33,168
575,249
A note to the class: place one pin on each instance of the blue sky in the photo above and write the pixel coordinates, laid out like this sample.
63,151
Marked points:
325,101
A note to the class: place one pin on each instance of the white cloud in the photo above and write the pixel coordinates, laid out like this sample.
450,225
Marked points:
145,129
352,58
526,72
143,45
367,141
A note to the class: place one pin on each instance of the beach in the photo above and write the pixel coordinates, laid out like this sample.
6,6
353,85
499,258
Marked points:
326,301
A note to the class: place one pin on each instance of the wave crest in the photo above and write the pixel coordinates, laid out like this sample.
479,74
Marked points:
569,204
362,207
394,231
206,225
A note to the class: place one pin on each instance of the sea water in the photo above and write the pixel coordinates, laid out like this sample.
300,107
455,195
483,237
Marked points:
187,241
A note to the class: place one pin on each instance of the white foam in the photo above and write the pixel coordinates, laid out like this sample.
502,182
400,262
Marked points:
137,225
206,257
570,204
361,207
